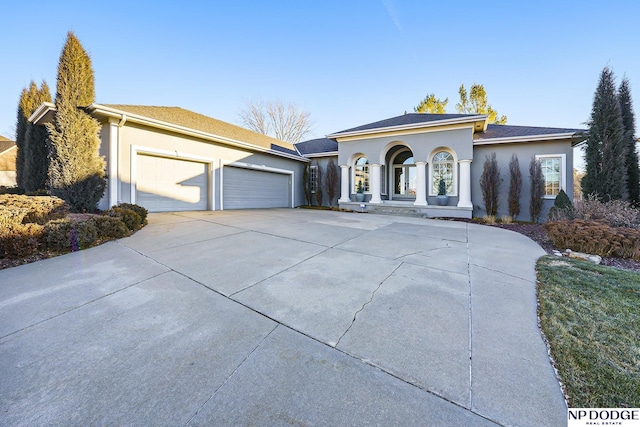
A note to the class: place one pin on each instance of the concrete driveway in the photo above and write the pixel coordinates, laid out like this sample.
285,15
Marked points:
280,317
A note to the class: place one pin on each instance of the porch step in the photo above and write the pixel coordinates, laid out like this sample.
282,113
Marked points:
408,209
395,211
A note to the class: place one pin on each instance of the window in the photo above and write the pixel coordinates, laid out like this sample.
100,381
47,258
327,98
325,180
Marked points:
442,168
313,178
553,167
361,173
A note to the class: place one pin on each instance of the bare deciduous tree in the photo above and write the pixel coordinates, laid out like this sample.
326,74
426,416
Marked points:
285,122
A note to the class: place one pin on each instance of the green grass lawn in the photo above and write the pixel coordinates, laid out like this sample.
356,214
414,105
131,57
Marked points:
591,316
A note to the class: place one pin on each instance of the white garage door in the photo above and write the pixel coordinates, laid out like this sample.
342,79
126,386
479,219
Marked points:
164,184
250,188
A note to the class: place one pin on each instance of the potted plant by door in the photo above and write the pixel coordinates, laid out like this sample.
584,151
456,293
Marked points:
360,192
443,199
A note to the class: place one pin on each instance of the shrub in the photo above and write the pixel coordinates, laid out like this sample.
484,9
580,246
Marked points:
21,240
595,237
39,209
617,213
562,208
489,219
129,217
65,235
506,219
143,212
11,190
11,215
84,195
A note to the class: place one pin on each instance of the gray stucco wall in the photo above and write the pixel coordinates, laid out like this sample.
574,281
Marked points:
146,137
525,152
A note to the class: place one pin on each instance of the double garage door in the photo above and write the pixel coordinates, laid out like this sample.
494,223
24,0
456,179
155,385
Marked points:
166,184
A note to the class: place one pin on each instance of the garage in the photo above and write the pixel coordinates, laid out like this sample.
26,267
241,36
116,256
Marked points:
165,184
245,188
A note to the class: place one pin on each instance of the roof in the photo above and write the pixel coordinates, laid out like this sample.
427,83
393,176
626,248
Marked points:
317,146
5,144
508,131
189,119
410,119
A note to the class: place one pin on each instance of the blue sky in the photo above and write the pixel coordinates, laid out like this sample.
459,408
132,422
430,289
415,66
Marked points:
347,62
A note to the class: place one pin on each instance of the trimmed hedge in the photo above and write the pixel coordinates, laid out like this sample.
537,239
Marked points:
38,209
21,240
595,237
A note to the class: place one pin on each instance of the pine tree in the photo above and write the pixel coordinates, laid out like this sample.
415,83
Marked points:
76,171
605,151
629,127
36,148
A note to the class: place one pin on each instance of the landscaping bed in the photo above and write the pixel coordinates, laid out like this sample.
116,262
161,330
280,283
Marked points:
38,227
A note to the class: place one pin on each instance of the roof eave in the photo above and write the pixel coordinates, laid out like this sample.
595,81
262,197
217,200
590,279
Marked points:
136,118
41,112
573,136
322,154
458,120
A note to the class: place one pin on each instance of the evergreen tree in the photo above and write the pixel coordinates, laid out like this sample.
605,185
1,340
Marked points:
605,151
76,172
629,127
36,148
25,109
536,179
515,186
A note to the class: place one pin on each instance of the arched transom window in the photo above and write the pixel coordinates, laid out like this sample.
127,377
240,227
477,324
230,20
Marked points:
361,174
443,169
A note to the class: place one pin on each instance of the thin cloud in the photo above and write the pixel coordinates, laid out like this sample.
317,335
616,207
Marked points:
391,11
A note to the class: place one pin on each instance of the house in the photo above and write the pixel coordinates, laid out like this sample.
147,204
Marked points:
170,159
8,152
401,160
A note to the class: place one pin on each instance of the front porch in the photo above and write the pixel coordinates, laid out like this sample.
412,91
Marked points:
408,208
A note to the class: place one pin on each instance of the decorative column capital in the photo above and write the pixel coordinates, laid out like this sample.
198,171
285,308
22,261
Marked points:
465,161
420,163
344,166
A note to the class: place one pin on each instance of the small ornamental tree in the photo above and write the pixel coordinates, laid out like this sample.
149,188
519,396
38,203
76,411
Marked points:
537,189
490,184
76,172
307,184
36,164
331,181
515,186
319,178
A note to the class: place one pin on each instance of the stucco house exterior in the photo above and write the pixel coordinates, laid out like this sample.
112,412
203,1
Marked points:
172,159
401,160
8,152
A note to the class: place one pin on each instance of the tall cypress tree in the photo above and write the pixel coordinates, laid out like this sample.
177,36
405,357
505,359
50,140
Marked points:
76,171
25,109
36,162
629,128
605,150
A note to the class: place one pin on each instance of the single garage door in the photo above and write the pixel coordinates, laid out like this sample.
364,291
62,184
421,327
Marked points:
249,188
166,184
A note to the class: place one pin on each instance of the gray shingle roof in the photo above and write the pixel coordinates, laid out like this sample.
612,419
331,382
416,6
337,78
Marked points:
5,144
508,131
280,149
407,119
316,146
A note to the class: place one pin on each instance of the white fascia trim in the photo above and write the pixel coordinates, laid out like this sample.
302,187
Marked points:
530,138
135,118
265,168
41,111
435,123
210,162
14,147
327,154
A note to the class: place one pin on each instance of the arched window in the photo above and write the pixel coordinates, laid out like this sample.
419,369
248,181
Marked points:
361,174
442,168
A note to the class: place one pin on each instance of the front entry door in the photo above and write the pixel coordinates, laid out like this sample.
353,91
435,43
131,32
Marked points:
405,181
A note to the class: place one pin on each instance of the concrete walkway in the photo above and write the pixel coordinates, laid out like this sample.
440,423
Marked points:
280,317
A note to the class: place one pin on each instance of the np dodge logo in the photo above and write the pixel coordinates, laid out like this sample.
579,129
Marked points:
603,417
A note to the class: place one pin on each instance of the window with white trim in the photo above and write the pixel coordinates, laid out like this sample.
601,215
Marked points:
442,167
313,178
553,169
361,174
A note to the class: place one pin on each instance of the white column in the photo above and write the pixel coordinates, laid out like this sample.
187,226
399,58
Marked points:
374,184
421,189
464,201
345,194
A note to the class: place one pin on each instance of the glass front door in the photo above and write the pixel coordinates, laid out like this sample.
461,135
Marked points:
405,181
